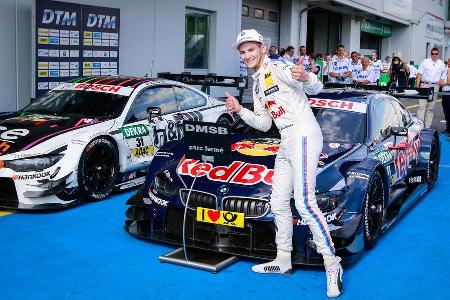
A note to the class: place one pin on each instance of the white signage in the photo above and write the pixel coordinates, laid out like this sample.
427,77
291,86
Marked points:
434,27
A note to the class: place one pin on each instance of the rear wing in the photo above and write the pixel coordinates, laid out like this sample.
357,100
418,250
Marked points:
207,81
398,92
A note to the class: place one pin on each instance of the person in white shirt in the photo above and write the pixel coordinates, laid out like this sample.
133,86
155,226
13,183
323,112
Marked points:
339,69
431,73
290,55
355,64
307,61
326,65
377,65
446,98
365,75
412,74
386,64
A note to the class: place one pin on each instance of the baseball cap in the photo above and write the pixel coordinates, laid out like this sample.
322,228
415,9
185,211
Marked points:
248,35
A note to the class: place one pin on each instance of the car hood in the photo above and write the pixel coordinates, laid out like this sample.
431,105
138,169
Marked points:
252,164
20,131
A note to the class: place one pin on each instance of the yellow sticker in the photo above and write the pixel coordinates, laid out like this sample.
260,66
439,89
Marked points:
87,42
42,73
87,64
43,31
42,65
42,40
87,72
220,217
268,81
87,34
143,151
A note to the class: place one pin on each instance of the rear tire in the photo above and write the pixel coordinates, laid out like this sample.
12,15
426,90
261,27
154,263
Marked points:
373,210
433,163
98,169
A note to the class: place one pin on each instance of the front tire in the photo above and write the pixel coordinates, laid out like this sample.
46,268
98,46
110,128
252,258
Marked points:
98,169
373,210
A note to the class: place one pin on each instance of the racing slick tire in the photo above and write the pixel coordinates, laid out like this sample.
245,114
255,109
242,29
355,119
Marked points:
98,169
373,210
433,163
224,119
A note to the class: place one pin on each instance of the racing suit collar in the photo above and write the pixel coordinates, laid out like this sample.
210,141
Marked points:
263,66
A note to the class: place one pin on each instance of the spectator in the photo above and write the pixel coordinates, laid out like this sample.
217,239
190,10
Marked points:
307,61
446,98
282,52
377,65
355,65
326,64
315,67
399,70
386,64
431,73
273,53
412,74
365,75
339,70
290,55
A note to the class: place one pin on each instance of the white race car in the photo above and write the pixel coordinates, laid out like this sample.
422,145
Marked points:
89,136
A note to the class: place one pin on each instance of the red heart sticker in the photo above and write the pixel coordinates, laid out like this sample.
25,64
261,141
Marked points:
214,215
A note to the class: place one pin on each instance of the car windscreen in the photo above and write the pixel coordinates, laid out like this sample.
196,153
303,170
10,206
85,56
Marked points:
83,103
338,126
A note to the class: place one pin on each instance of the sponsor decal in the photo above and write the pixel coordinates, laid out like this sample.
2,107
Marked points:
156,199
163,154
220,217
268,80
334,145
415,179
358,175
167,174
59,17
134,131
168,133
271,90
143,151
278,113
237,172
113,89
8,137
259,147
300,222
31,176
206,129
339,104
384,156
404,158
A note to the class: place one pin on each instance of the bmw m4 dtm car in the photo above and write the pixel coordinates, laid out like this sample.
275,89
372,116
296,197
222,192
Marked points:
377,160
92,135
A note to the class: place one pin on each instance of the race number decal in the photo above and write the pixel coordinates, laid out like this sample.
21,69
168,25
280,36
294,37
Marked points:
220,217
143,151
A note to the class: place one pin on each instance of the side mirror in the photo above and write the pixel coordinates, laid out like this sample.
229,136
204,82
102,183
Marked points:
153,112
399,131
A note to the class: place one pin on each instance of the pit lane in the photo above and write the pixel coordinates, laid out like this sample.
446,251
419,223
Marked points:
84,253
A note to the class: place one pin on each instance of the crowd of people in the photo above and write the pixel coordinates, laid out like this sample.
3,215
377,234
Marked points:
342,66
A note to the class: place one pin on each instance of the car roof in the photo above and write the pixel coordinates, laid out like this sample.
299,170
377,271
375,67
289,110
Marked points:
360,96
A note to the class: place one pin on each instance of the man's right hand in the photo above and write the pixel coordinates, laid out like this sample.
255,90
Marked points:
232,104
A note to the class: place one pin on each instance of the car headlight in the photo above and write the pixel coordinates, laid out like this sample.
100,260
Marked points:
329,200
33,164
164,186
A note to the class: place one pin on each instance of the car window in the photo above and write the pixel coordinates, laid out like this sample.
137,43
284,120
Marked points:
338,126
402,114
188,99
383,119
162,97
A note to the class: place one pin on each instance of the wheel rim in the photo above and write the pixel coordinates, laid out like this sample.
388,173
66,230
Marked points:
99,170
375,207
223,120
433,163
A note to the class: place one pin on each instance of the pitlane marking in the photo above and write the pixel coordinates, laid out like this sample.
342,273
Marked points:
444,166
417,105
6,212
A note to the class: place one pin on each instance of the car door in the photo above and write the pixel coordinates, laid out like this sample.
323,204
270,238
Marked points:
383,118
142,137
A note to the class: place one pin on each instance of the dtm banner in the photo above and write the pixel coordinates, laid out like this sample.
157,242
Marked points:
74,40
207,142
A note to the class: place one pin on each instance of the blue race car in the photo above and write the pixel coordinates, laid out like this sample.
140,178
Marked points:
377,160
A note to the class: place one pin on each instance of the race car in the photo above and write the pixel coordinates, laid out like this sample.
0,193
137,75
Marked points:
92,135
377,160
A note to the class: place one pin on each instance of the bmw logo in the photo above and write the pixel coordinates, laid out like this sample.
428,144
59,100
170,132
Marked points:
223,190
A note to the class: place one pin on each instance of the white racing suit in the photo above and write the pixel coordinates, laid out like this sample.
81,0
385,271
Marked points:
277,96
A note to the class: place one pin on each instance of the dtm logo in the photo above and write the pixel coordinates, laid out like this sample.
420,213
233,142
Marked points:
102,21
64,18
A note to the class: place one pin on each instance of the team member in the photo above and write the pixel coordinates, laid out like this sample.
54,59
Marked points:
376,65
290,55
412,74
308,61
355,65
446,98
366,75
326,65
273,52
431,73
339,70
279,94
386,64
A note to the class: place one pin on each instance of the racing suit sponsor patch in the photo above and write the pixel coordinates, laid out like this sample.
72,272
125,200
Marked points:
268,80
271,90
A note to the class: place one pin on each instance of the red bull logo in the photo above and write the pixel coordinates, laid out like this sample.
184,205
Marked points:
260,147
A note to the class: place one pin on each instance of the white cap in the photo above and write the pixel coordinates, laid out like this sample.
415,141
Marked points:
248,35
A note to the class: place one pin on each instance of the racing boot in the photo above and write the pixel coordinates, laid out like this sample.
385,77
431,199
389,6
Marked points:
281,265
334,272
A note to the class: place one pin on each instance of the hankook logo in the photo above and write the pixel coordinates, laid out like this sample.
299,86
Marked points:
31,176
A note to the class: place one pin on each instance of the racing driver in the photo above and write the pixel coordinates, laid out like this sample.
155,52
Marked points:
279,94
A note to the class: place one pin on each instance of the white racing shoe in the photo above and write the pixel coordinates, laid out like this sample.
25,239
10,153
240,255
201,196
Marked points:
277,266
334,278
